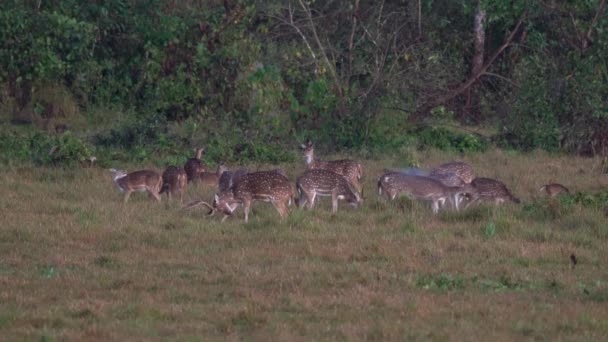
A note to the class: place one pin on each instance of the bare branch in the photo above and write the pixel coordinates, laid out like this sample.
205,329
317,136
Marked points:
468,83
501,77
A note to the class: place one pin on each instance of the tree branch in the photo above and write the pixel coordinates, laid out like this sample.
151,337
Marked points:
474,78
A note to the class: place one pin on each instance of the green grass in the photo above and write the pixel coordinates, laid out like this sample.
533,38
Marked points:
77,264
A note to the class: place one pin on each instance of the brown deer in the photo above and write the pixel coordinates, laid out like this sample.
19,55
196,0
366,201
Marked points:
267,186
422,188
144,180
349,169
492,190
174,181
213,178
453,173
320,182
554,189
194,166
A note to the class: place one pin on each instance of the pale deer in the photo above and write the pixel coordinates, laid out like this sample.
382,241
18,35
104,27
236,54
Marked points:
422,188
194,166
228,178
213,178
174,182
267,186
320,182
491,190
349,169
144,180
554,189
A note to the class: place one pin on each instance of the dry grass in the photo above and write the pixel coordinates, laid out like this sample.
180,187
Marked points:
77,264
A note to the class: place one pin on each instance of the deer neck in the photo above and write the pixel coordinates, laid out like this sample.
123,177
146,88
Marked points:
310,160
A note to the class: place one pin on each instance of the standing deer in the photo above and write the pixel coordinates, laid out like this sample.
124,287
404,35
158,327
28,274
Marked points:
194,166
213,178
267,186
349,169
492,190
144,180
174,181
422,188
320,182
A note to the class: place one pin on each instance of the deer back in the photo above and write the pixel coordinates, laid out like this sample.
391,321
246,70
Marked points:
140,181
460,169
492,188
416,186
269,185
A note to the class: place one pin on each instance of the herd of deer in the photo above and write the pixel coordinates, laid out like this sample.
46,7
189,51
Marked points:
448,184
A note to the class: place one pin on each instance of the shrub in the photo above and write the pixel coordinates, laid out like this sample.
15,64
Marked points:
43,148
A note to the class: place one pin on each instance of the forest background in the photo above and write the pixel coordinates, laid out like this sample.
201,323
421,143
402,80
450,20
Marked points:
150,79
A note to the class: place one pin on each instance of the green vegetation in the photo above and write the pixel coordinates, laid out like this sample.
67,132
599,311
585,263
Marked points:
141,80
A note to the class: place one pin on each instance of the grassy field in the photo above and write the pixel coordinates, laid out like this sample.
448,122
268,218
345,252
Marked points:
77,264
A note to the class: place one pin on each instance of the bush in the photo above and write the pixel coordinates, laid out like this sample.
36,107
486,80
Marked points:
447,140
43,148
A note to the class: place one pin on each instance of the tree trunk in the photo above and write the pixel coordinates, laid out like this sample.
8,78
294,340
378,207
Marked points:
472,110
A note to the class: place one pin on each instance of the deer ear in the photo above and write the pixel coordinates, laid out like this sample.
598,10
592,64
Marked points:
216,198
302,146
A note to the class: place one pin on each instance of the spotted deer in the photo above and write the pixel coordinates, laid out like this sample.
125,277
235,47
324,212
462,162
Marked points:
267,186
422,188
554,189
349,169
194,166
213,178
320,182
174,182
143,180
489,189
453,173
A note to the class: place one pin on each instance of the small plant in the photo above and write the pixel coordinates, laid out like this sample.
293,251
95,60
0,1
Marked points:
490,230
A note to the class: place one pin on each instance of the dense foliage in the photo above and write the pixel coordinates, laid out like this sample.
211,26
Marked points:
248,78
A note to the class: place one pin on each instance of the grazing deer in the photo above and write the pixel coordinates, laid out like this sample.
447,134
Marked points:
228,178
174,181
554,189
144,180
194,167
349,169
320,182
213,178
267,186
492,190
422,188
448,173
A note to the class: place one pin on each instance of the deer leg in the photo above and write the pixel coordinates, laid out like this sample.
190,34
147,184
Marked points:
435,206
334,202
302,199
127,195
311,200
154,194
281,208
224,218
246,207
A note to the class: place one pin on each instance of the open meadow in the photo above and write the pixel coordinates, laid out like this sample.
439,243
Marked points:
78,264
